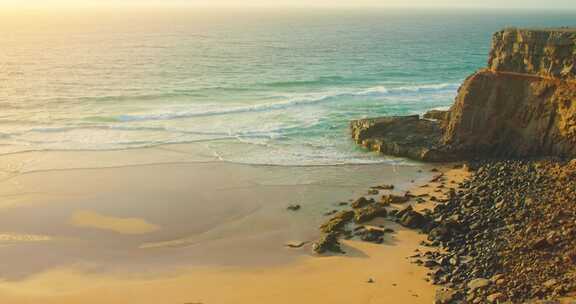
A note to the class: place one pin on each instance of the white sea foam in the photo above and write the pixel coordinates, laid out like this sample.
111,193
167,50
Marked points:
295,101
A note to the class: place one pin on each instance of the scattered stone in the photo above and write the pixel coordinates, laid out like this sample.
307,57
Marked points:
337,222
384,187
296,244
293,207
478,284
394,199
372,235
362,202
327,243
496,298
369,213
445,296
413,219
331,212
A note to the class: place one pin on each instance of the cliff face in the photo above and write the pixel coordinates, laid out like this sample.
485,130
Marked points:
546,53
522,104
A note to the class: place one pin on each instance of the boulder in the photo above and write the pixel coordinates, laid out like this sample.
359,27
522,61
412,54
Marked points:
407,217
478,284
337,222
369,213
394,199
327,243
362,202
444,296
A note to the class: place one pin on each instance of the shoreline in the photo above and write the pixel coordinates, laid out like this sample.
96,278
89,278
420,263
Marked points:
109,209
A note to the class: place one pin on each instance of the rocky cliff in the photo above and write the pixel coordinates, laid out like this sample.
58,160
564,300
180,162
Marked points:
523,104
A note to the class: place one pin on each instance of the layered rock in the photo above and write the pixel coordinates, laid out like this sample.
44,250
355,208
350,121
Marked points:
523,104
548,53
407,136
512,115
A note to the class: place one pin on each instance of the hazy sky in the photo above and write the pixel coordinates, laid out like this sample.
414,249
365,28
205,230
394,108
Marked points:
549,4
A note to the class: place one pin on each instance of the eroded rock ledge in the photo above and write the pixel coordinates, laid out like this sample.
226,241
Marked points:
523,104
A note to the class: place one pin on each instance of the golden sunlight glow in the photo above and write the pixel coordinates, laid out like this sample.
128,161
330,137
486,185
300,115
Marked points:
557,4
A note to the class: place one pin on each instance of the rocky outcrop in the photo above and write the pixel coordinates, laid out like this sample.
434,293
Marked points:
406,136
523,104
548,53
517,115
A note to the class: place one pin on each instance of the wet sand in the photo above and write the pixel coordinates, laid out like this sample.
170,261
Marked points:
185,232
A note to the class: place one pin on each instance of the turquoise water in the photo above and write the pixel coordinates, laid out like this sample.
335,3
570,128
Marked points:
266,87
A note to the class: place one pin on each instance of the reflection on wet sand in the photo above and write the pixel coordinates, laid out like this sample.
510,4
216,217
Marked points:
91,219
178,233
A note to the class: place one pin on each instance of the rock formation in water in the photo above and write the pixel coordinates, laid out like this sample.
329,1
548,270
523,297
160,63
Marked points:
523,104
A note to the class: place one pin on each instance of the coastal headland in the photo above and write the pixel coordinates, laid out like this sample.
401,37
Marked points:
507,233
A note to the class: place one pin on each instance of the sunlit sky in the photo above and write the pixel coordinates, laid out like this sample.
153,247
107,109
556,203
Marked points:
548,4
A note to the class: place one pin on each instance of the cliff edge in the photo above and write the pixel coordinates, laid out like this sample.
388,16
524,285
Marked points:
523,104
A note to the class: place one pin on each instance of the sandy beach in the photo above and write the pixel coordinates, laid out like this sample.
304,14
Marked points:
121,230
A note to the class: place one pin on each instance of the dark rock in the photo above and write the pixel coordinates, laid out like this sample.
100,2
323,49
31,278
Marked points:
413,219
337,222
372,235
394,199
327,243
369,213
293,207
384,187
362,202
445,296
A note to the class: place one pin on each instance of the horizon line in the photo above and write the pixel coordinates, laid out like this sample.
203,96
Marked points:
277,7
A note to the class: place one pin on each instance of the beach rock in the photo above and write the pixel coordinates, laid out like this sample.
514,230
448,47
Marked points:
394,199
369,213
372,235
407,136
327,243
384,187
497,297
437,115
337,222
478,284
295,244
445,296
294,207
413,219
362,202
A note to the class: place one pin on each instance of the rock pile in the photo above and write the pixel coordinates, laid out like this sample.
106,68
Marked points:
508,234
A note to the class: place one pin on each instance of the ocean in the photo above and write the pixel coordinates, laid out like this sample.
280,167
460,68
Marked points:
274,87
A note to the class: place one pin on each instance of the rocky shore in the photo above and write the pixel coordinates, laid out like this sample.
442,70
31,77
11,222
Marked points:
521,105
507,232
504,234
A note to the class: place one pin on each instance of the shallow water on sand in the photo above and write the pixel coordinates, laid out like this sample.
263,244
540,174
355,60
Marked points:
172,215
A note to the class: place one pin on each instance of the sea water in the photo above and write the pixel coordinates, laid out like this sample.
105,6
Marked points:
258,87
